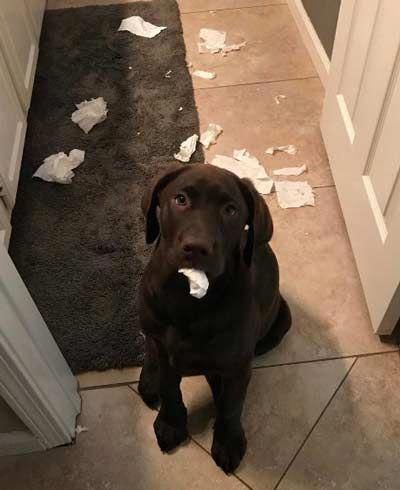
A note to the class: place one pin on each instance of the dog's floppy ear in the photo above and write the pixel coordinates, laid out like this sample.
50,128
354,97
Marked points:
259,221
150,199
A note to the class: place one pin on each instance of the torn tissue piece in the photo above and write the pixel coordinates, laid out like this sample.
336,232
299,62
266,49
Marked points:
138,26
290,149
207,75
233,47
58,167
211,40
187,148
79,429
288,171
244,156
168,74
294,194
247,166
209,137
89,113
198,282
278,98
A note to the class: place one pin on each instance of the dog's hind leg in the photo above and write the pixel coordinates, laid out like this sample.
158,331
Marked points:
277,331
149,383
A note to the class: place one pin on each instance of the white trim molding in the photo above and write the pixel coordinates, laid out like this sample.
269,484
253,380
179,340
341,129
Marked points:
35,380
311,40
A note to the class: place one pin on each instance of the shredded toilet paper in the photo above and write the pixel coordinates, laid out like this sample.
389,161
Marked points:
294,194
213,41
278,98
79,429
207,75
290,149
290,171
59,167
247,166
233,47
187,148
138,26
89,113
210,135
198,282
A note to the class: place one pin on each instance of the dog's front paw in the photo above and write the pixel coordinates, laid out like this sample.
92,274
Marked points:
168,436
228,452
149,393
149,385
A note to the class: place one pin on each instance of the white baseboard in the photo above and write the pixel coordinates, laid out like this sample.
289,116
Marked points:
311,40
19,442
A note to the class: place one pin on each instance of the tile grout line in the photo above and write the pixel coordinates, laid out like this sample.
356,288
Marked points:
321,186
108,385
233,8
276,487
194,441
283,364
208,452
295,363
261,82
136,392
324,186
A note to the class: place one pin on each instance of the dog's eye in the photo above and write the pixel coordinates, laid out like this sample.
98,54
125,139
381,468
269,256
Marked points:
231,210
180,200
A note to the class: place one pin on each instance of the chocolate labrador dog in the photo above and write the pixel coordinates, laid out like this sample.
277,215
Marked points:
206,218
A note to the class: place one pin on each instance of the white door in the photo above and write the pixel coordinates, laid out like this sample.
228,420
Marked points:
5,226
12,135
361,130
35,379
36,10
20,46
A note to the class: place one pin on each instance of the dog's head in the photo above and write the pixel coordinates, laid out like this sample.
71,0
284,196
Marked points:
200,212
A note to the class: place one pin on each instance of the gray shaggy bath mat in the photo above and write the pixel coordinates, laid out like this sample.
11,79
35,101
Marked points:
80,247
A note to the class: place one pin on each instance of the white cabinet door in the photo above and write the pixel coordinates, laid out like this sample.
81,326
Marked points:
36,9
12,136
360,126
19,45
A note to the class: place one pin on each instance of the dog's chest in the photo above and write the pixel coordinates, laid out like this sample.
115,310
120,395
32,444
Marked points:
192,354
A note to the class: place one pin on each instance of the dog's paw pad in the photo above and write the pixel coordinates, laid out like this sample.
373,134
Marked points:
228,454
168,436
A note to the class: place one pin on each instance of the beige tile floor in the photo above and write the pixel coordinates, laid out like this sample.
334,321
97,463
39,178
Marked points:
323,409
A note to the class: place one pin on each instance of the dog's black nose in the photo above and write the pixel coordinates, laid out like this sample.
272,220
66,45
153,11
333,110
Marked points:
196,248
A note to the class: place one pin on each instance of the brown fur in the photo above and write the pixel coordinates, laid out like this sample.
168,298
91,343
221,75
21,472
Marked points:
242,313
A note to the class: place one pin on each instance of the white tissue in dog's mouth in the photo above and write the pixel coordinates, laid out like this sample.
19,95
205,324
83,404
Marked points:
198,282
